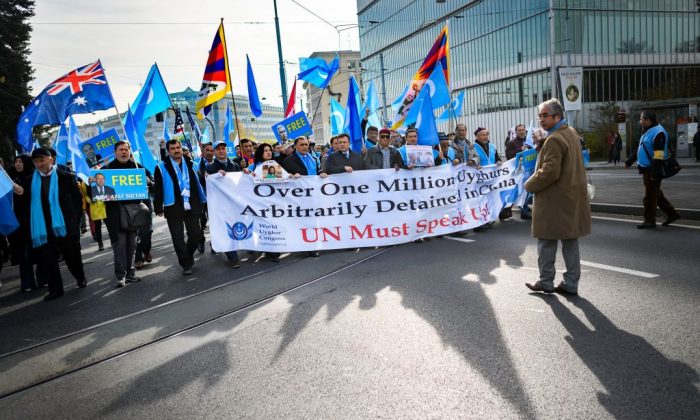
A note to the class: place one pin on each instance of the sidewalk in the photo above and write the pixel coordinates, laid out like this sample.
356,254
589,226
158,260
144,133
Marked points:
621,192
685,163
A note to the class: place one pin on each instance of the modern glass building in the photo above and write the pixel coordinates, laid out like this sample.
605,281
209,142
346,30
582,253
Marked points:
505,54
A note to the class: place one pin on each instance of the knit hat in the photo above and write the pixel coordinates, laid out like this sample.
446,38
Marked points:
478,130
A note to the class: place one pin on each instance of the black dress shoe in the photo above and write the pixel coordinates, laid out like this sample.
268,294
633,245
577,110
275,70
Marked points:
82,283
535,287
562,291
52,296
670,219
646,225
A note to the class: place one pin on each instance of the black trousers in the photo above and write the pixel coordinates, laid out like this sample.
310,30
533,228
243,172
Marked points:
47,257
177,226
98,230
203,222
654,197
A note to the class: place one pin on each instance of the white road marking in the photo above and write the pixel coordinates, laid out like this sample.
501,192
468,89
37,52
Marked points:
452,238
615,219
620,269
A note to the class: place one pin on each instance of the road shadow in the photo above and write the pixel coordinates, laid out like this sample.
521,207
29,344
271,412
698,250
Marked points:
640,382
151,389
458,309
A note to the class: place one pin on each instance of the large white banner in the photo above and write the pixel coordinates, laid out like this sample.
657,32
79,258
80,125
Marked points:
571,79
361,209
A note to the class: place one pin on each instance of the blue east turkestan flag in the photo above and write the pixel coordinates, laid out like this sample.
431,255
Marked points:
80,91
371,104
317,72
439,92
138,142
229,129
454,110
61,146
80,166
166,133
253,98
153,97
337,117
8,221
421,114
352,119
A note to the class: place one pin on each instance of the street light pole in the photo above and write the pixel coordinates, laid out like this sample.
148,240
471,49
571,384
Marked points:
283,79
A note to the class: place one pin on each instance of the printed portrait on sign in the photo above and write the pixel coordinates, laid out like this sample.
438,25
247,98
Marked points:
270,171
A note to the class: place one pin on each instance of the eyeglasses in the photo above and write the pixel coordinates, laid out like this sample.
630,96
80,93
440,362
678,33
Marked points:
383,136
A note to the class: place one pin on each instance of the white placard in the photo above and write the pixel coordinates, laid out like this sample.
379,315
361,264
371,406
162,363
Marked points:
571,79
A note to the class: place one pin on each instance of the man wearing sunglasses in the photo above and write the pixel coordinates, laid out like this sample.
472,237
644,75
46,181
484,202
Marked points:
383,156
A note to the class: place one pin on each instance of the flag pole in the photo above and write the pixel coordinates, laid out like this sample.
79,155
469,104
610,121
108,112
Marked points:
228,76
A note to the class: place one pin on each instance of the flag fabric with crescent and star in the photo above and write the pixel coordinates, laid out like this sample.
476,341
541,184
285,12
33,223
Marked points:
216,80
439,52
80,91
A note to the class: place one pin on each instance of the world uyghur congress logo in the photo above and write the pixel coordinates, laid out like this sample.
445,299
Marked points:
239,231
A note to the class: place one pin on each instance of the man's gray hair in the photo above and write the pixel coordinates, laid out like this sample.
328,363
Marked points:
554,107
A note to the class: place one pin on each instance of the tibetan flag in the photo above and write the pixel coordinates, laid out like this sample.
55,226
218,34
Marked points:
216,80
439,52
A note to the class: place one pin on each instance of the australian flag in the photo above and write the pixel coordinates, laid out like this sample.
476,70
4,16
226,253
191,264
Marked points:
80,91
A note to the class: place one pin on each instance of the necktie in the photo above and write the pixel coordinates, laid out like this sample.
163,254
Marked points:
102,191
347,155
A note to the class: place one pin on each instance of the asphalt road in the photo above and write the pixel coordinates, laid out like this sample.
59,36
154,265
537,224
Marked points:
444,328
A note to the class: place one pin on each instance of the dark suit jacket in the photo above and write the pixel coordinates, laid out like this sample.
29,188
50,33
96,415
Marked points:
294,165
69,198
177,209
337,162
108,190
375,159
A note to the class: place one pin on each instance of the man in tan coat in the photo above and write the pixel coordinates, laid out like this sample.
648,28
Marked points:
562,210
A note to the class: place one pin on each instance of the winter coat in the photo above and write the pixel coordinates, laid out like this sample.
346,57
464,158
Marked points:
562,209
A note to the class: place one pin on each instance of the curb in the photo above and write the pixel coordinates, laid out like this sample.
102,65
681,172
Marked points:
630,210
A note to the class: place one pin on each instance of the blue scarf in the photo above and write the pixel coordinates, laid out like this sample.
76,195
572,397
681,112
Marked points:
309,162
561,122
183,180
37,222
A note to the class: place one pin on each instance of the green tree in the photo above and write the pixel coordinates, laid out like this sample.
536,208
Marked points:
602,123
15,69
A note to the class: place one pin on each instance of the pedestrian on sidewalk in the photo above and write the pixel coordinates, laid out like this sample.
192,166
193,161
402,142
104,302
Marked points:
617,149
562,211
696,145
653,149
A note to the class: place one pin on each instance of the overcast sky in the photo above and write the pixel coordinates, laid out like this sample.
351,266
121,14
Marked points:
130,35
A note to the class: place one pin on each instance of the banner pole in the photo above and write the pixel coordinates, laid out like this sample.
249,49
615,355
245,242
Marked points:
228,76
